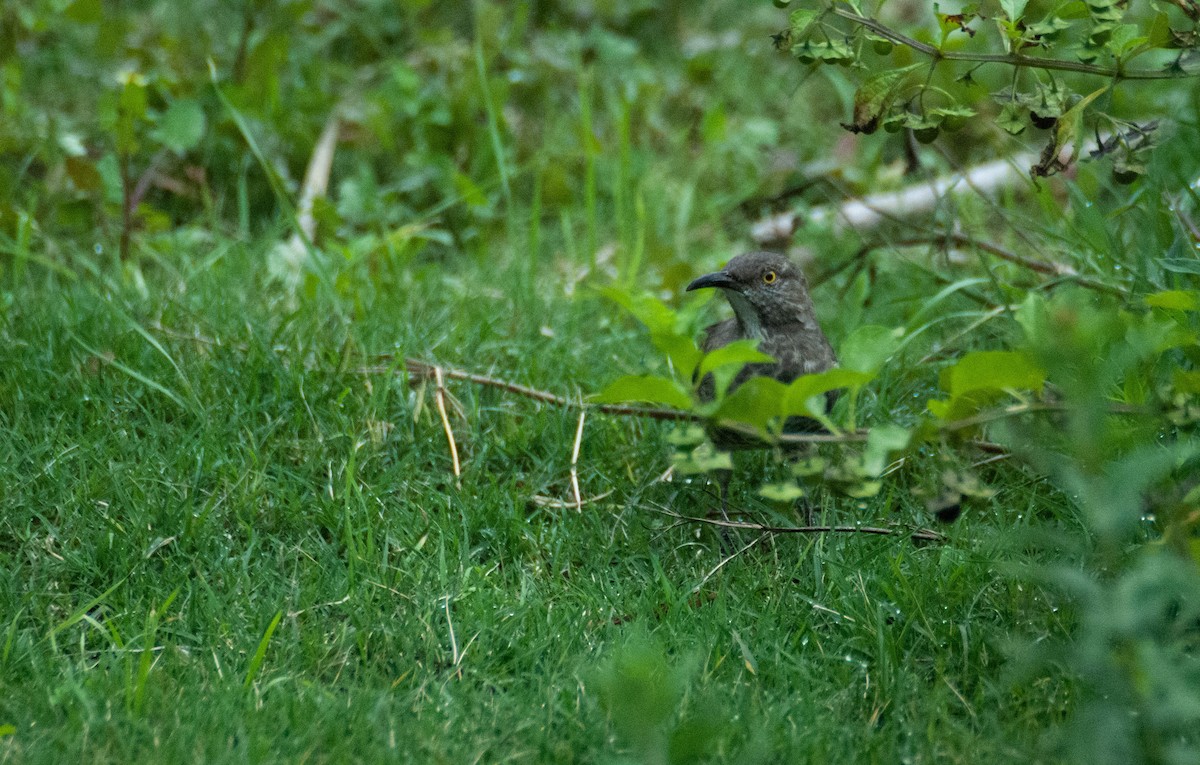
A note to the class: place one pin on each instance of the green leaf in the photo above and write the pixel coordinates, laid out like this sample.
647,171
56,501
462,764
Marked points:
958,110
648,388
1177,300
1124,39
810,467
882,440
182,126
1186,381
979,378
1048,27
131,110
756,403
1066,133
1009,120
1160,31
869,347
688,434
982,370
1014,9
826,51
876,95
958,407
863,489
260,653
1034,318
680,349
85,11
800,20
785,491
801,391
84,174
739,352
647,309
703,459
469,191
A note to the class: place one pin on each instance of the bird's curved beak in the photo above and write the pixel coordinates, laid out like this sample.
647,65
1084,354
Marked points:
717,279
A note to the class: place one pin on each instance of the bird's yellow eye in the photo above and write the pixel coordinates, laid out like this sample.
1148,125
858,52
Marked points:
769,277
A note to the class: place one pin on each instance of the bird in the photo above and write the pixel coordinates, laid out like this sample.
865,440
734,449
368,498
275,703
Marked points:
771,304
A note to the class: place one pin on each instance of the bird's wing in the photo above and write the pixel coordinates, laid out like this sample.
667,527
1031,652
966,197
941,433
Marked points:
720,334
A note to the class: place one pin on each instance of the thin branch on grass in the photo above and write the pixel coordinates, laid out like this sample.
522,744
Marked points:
298,612
543,501
728,558
425,370
922,535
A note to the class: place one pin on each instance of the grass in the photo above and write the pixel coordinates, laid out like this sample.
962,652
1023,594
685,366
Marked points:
220,542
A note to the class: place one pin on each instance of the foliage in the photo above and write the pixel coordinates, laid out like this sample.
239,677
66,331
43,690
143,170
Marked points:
1052,49
1095,393
1092,385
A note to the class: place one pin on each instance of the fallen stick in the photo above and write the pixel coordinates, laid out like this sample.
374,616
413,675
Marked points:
922,535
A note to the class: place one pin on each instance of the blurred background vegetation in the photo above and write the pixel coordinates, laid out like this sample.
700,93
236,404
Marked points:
601,112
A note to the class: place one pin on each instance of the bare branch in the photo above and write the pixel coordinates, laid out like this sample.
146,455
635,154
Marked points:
922,535
423,370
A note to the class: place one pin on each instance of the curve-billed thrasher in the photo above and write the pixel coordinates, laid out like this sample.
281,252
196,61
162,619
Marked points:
770,303
770,300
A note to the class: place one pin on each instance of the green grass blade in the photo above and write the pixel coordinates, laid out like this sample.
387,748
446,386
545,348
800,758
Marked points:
260,654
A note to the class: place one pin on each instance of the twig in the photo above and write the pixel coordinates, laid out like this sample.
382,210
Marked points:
440,398
424,370
924,535
728,558
989,447
846,437
544,501
575,462
1061,270
961,240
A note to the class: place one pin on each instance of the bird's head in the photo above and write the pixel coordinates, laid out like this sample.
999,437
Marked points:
765,289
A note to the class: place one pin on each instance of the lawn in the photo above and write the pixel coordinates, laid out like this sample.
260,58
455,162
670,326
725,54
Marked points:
222,542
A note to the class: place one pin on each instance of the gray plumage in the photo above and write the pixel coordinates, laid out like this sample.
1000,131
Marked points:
770,300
